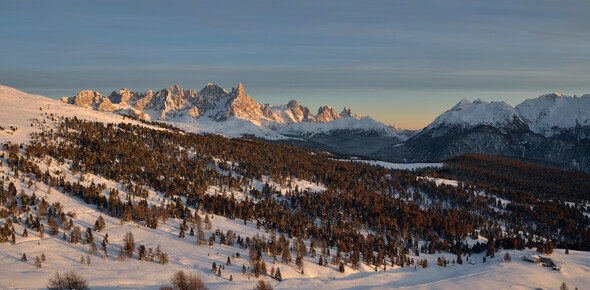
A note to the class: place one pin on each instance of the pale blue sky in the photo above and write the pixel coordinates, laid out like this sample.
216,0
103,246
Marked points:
401,62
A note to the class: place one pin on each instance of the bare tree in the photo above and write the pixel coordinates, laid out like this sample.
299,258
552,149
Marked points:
69,280
182,281
263,286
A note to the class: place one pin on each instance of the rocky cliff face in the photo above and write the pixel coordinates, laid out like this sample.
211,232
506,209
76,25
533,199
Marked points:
326,114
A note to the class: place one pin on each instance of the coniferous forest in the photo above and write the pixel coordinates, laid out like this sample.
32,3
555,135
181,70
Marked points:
366,214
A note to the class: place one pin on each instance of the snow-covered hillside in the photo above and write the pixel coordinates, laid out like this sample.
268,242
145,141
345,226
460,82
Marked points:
185,254
366,124
22,114
17,109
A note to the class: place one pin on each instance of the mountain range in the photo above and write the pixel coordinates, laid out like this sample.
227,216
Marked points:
553,128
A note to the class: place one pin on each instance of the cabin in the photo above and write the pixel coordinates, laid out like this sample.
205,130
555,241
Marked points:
531,258
547,262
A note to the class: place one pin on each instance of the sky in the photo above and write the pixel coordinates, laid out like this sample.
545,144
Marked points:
400,62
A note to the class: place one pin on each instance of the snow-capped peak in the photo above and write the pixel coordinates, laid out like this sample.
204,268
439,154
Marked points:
552,96
467,114
461,104
550,113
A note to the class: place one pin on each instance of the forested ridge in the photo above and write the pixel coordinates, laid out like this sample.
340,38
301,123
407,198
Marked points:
367,214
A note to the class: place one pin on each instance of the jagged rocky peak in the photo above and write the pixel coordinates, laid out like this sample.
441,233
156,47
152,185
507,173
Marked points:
212,91
347,113
122,96
168,99
238,92
91,99
212,102
299,113
144,100
326,114
84,98
243,106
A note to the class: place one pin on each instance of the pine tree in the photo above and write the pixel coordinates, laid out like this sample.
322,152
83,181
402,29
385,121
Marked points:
129,244
53,227
208,225
354,260
263,267
93,248
24,258
150,256
37,262
25,233
286,255
100,224
299,262
200,237
163,258
278,275
142,253
257,269
75,235
43,258
121,256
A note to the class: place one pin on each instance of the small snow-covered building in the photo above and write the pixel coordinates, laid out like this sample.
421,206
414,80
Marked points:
531,258
547,262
